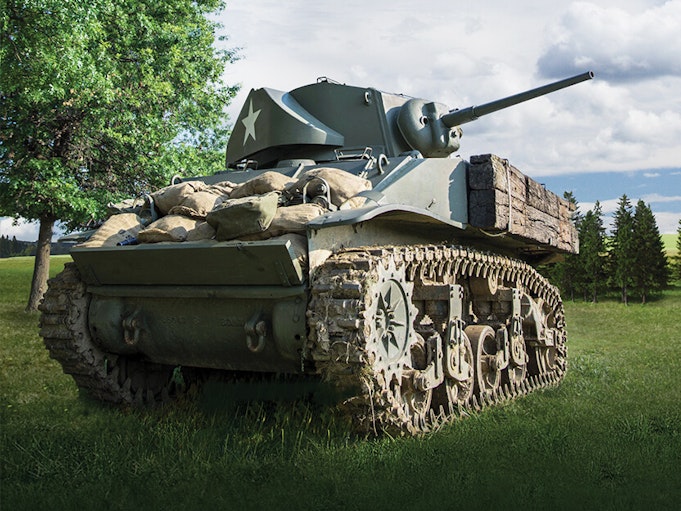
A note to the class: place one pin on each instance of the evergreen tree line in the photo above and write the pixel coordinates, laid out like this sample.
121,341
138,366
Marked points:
676,265
631,261
12,247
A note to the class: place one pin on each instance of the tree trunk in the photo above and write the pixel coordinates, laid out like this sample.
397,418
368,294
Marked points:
41,269
625,296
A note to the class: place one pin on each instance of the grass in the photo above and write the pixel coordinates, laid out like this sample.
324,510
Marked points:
669,242
608,438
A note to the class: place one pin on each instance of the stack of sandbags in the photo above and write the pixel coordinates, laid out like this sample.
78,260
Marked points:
266,206
501,198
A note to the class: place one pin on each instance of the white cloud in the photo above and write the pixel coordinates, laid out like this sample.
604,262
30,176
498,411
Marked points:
667,223
623,45
611,205
650,127
24,231
655,198
608,206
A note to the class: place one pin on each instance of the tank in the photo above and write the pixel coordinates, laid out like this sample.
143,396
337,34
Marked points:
412,291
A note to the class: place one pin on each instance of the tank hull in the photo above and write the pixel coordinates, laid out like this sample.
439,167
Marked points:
399,302
417,334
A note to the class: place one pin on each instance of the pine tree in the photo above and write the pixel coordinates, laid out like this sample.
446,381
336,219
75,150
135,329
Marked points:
4,246
569,273
651,268
592,248
677,257
621,254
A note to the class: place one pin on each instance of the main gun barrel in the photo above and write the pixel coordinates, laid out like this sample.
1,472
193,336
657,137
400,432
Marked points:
458,117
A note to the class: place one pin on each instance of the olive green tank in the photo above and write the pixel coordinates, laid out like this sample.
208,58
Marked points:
346,242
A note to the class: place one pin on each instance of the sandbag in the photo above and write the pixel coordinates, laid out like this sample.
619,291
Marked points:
125,206
223,188
197,205
167,198
289,219
343,185
270,181
203,231
122,229
294,218
243,216
168,228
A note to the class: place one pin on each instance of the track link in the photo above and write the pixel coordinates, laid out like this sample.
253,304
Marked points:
340,325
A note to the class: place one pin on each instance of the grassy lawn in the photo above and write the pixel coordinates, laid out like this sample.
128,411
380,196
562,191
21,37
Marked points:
608,438
669,241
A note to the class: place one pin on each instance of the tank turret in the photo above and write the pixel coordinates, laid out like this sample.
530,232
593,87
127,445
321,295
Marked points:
328,121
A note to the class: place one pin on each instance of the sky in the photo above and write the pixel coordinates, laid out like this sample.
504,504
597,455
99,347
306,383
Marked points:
619,133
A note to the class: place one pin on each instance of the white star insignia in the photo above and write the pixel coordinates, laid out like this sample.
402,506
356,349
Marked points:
249,122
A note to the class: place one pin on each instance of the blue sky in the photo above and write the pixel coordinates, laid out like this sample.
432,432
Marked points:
619,133
660,189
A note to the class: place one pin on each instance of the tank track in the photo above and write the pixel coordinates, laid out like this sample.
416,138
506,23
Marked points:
105,376
340,318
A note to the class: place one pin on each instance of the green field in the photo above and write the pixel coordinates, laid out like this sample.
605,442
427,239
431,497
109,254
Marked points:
669,241
608,438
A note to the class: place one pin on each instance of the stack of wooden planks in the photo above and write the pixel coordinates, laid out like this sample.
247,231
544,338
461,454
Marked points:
535,214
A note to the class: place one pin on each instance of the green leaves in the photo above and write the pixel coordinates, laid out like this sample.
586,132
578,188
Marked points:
677,258
96,97
47,187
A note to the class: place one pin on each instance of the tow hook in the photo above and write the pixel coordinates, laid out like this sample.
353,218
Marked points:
132,328
255,328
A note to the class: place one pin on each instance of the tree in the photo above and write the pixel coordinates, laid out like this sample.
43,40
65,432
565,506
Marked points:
566,274
100,100
677,257
591,250
621,253
4,246
650,265
572,271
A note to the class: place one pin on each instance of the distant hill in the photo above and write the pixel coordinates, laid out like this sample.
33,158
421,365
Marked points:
14,247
